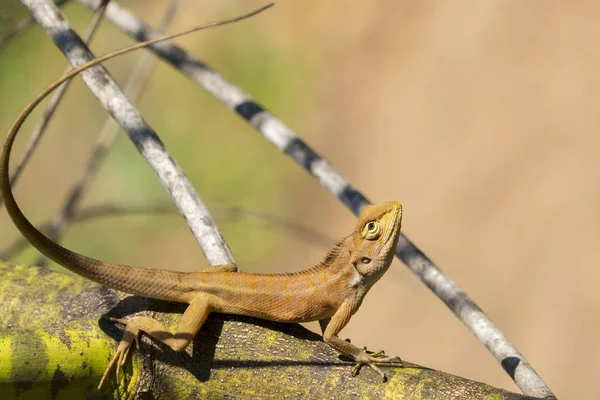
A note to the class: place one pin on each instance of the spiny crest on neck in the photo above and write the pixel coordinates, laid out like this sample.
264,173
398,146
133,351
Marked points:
329,259
333,254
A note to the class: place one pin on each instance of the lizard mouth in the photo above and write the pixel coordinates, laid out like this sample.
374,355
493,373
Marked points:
397,217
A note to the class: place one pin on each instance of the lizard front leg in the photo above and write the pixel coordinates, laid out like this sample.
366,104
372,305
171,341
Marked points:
192,320
337,323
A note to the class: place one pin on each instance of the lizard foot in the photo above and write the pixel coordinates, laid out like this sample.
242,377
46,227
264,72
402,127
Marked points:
130,335
368,358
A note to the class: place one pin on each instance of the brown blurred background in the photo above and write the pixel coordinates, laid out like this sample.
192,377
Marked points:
480,117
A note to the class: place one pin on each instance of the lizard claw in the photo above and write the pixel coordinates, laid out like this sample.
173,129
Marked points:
120,357
370,359
359,365
118,360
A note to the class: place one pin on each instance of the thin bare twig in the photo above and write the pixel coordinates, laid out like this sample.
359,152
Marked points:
288,142
89,213
300,231
22,25
134,87
222,214
38,132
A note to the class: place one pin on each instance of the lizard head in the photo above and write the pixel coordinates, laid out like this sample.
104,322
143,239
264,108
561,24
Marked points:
375,238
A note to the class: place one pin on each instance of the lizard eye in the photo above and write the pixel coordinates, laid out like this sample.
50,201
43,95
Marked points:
372,230
365,260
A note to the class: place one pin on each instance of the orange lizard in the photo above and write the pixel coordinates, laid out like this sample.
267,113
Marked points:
330,293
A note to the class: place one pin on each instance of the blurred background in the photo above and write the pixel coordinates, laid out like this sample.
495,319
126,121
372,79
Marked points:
480,117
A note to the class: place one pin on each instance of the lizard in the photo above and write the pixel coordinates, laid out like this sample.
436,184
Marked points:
330,292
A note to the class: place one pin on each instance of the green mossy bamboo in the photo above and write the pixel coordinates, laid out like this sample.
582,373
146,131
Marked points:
54,345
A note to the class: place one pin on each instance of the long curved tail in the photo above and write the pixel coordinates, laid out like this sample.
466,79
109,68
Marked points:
141,281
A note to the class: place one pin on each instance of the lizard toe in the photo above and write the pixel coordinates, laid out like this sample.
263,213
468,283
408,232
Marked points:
358,366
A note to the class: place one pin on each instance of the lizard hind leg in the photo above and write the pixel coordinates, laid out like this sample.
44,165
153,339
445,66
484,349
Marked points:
192,320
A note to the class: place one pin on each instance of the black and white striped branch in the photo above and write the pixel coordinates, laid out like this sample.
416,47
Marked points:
134,88
145,139
288,141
